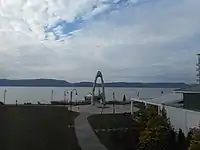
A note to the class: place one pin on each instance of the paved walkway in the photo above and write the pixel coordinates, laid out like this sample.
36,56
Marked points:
87,139
93,109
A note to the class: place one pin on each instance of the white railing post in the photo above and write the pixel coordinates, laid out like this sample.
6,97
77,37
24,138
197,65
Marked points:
186,127
159,110
160,107
145,104
132,107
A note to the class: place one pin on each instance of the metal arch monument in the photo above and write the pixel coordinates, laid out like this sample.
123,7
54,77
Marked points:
98,75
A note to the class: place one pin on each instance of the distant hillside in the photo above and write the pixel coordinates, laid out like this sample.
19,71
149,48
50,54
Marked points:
63,83
34,82
133,84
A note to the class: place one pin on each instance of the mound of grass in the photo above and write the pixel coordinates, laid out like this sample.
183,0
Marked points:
124,133
105,121
37,128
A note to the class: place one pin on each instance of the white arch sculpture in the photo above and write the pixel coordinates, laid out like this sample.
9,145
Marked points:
99,75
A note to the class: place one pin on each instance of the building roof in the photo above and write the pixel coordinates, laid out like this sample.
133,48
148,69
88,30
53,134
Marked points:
168,98
189,89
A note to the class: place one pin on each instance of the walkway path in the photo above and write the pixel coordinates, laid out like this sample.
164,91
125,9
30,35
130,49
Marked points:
86,137
93,109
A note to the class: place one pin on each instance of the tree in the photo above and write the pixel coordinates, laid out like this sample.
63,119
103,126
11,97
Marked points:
156,130
166,120
124,98
171,144
154,137
195,140
181,142
143,117
189,137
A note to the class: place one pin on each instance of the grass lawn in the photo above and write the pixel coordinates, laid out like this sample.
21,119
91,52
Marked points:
37,128
123,139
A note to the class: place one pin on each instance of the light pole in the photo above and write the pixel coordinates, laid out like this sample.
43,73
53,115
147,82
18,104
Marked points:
138,95
71,93
4,96
65,91
52,92
113,102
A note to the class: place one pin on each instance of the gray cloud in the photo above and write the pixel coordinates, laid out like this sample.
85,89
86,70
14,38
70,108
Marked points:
149,42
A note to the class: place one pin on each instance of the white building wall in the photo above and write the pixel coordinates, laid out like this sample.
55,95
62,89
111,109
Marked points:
193,118
182,118
177,117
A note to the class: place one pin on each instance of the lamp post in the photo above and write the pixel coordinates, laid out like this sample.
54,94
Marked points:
52,92
138,95
113,102
65,94
132,107
71,93
4,96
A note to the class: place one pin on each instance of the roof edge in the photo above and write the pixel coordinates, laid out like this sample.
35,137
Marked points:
187,92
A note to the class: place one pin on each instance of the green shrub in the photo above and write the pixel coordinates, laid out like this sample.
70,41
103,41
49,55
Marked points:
155,130
181,141
194,139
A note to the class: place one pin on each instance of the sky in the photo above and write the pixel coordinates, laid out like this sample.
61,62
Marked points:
127,40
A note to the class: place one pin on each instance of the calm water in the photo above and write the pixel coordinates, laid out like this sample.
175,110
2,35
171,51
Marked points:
43,94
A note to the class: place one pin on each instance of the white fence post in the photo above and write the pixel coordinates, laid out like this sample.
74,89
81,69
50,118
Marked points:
132,105
159,110
160,107
186,127
145,104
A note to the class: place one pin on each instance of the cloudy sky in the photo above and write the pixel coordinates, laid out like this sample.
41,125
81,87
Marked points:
128,40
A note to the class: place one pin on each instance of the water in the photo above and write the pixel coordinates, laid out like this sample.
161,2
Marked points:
43,94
